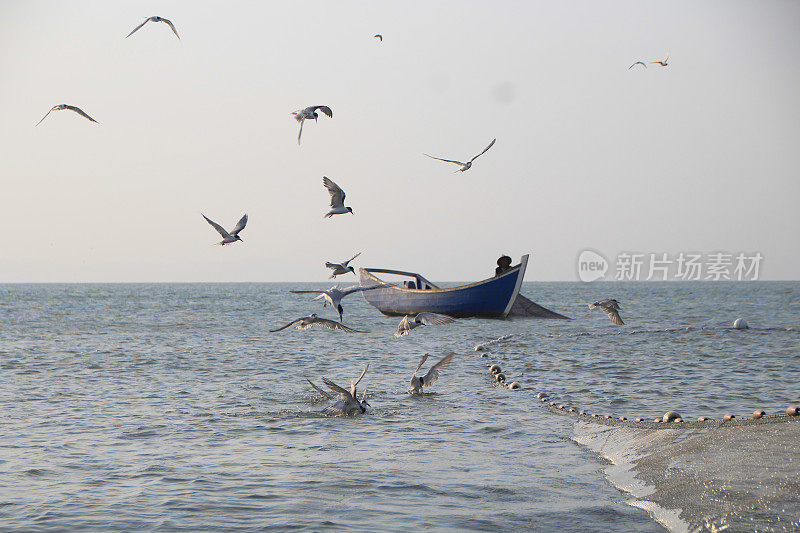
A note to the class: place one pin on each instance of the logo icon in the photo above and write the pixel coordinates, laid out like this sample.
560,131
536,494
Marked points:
591,266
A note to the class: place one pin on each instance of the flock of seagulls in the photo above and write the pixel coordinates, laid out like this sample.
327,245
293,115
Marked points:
349,403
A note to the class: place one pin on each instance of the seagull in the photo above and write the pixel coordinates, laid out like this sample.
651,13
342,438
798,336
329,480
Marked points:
433,374
334,295
422,319
306,322
233,236
638,63
464,166
341,268
337,199
662,63
61,107
378,36
348,403
611,308
155,19
308,113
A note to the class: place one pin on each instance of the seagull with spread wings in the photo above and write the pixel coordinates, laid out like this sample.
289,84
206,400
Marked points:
301,115
348,403
155,19
611,308
433,374
306,322
341,268
422,319
233,236
464,166
61,107
662,63
337,199
334,295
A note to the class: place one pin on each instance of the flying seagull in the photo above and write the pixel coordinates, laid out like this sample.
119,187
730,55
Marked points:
61,107
433,374
306,322
334,295
464,166
233,236
308,113
337,199
155,19
378,36
611,308
638,63
348,403
341,268
422,319
662,63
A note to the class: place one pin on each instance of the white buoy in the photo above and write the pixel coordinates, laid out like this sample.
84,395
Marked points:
740,323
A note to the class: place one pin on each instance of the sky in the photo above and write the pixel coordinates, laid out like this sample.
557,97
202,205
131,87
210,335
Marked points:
701,155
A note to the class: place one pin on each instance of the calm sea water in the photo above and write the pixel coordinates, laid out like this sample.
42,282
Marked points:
170,407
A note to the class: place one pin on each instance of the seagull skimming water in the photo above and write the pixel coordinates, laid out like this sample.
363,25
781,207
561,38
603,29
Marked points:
155,19
433,374
464,166
306,322
611,308
308,113
422,319
348,403
61,107
233,236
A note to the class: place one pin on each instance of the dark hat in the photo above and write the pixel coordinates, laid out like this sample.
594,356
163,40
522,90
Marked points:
504,261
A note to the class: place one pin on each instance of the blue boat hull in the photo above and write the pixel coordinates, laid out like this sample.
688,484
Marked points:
492,297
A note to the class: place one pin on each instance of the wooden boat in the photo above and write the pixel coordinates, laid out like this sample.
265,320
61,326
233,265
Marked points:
494,297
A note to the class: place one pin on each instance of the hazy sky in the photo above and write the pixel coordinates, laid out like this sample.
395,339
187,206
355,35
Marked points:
702,155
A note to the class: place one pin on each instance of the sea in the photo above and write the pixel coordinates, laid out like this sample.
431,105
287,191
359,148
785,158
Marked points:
171,407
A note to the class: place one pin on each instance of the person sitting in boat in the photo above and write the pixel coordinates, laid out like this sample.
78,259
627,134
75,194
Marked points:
503,264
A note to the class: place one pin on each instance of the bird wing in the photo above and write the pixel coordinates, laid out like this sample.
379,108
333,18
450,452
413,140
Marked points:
217,227
637,63
290,324
325,109
613,314
137,27
172,27
330,324
434,372
403,327
80,111
346,262
336,192
240,225
345,394
301,130
319,390
379,36
484,151
434,319
610,303
44,117
421,362
358,288
445,160
362,375
307,292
